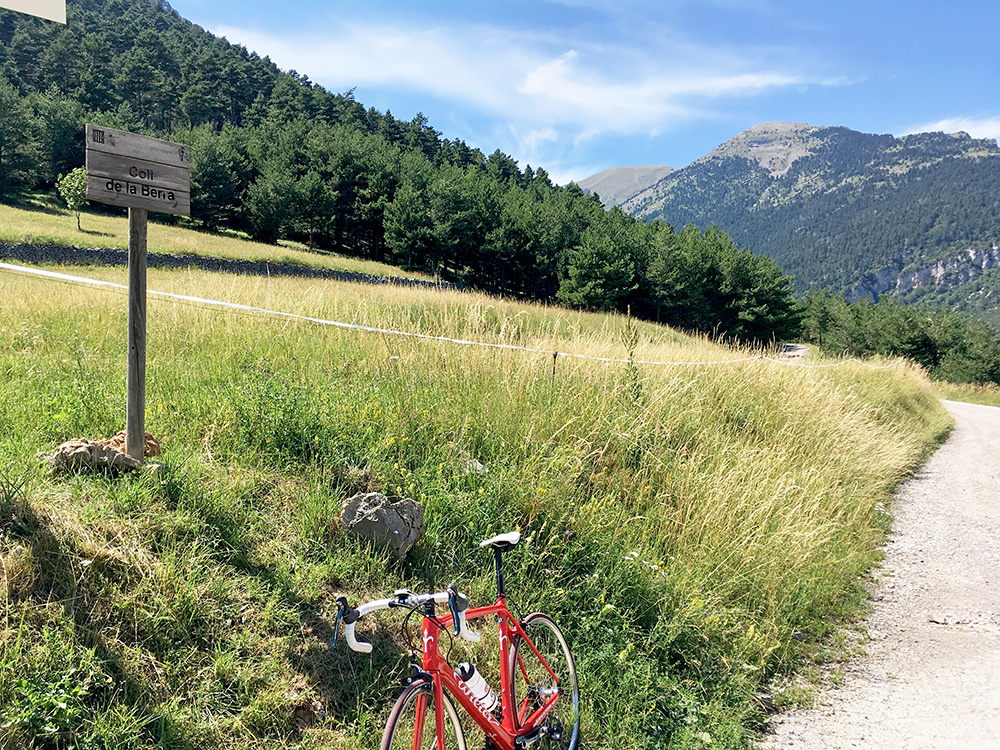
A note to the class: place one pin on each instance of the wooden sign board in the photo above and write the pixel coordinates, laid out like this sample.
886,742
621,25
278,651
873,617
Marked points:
53,10
136,171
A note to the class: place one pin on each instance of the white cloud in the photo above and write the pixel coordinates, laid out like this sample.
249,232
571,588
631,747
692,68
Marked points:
428,59
542,95
977,127
524,78
534,141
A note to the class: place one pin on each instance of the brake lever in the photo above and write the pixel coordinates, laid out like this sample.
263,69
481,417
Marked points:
453,606
341,608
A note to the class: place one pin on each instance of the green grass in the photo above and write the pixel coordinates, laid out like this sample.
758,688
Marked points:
695,529
43,221
988,394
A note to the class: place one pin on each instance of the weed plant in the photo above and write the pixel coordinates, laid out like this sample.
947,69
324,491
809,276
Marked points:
691,527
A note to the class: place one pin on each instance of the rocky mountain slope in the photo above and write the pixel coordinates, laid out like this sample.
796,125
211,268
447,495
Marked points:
616,185
863,214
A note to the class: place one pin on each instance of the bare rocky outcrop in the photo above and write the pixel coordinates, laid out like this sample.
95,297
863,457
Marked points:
151,450
959,269
390,525
775,146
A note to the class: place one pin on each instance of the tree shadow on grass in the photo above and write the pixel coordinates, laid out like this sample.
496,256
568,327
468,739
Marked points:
338,685
59,565
35,204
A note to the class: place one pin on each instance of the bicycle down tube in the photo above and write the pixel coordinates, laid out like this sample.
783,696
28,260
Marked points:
501,733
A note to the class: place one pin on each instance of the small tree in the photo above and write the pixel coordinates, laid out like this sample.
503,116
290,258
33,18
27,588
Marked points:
73,189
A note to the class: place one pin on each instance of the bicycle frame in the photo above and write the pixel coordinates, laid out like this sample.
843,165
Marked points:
504,733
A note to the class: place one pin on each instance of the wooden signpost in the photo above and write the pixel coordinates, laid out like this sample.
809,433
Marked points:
143,174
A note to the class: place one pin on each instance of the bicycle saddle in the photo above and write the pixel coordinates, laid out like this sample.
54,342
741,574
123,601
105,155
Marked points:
502,542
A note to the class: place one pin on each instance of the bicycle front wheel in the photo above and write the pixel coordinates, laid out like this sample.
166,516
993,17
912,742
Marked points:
412,724
540,673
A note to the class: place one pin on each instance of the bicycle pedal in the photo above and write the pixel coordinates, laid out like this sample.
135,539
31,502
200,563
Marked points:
527,740
553,731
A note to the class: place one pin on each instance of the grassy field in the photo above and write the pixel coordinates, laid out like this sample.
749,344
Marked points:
986,394
42,221
696,529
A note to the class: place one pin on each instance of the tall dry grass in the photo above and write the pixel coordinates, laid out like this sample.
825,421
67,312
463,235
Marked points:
691,526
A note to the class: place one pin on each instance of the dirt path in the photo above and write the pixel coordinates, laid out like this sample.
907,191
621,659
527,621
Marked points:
931,676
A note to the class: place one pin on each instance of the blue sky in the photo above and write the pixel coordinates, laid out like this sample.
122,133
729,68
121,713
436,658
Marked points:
578,86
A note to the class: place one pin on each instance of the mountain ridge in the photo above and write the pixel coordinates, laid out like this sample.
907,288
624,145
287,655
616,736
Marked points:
856,213
616,185
775,146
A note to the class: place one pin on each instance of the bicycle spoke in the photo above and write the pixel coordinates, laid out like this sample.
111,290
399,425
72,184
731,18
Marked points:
546,694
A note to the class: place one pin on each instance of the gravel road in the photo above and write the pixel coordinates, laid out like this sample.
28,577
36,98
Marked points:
930,677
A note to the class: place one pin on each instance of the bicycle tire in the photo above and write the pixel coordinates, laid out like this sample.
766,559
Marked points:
401,726
531,681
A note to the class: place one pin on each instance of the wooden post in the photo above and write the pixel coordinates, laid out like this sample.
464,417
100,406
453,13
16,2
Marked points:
143,174
135,406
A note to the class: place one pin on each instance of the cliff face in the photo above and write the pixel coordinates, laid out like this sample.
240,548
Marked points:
948,273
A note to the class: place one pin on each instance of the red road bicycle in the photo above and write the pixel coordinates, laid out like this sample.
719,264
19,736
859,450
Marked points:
539,700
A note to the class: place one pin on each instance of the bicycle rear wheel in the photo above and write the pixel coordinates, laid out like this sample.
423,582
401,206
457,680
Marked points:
536,680
412,723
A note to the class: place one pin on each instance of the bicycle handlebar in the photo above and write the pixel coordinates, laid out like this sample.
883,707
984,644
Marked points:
356,645
456,601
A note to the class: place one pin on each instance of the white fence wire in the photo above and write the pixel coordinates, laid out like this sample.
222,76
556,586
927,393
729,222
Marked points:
83,280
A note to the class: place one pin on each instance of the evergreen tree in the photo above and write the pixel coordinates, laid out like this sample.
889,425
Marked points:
61,123
409,229
270,204
601,270
316,202
18,149
220,175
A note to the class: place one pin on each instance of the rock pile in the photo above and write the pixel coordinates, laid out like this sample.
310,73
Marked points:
81,454
117,442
